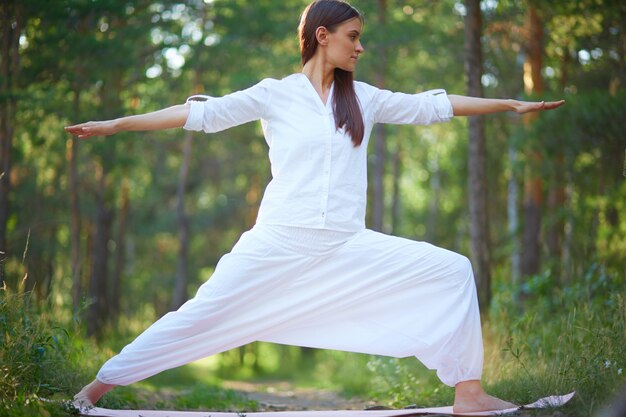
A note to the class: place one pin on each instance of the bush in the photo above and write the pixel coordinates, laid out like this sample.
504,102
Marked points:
560,339
32,348
41,356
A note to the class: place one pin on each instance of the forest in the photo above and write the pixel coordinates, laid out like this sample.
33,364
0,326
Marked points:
101,237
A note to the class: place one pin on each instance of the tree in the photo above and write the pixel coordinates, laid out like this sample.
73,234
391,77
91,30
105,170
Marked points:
11,25
379,137
479,224
533,186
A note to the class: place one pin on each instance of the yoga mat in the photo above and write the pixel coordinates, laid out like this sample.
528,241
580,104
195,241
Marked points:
547,402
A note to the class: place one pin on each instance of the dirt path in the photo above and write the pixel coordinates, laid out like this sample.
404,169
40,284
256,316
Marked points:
283,396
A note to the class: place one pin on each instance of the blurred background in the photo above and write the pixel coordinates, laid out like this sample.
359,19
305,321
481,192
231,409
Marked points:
100,237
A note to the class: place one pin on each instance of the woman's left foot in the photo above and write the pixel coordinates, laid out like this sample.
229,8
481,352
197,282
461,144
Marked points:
82,401
90,394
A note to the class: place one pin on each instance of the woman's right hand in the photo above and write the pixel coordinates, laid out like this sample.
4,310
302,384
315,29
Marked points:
85,130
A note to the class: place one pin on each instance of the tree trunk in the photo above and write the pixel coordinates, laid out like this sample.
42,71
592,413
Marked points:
99,286
556,201
568,232
75,220
307,358
479,225
533,186
435,192
182,270
120,252
378,177
618,81
395,204
513,215
557,193
11,24
378,171
100,259
180,289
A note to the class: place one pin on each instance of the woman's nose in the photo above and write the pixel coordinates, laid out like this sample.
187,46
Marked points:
359,48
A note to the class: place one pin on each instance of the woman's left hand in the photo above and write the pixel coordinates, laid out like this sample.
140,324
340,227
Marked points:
475,106
530,106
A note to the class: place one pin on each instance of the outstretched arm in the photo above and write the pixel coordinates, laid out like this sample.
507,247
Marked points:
168,118
473,106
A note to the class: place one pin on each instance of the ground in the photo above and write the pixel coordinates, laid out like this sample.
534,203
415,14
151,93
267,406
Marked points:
283,396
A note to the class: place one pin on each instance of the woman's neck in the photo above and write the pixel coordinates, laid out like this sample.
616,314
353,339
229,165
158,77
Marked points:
321,76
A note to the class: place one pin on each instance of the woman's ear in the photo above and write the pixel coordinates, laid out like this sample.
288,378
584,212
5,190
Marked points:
321,34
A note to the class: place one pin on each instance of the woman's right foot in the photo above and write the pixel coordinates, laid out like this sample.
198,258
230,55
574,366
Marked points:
470,397
481,403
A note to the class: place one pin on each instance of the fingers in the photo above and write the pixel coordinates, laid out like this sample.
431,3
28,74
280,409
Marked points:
549,105
538,106
79,130
86,130
76,129
553,104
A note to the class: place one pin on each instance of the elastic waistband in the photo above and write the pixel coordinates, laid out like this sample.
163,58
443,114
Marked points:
303,240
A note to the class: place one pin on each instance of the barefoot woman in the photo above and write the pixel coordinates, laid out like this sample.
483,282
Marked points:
309,273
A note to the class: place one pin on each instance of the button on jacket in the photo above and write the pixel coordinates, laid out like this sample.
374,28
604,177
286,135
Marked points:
319,178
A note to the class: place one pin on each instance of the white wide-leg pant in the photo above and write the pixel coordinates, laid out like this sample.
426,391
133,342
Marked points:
361,292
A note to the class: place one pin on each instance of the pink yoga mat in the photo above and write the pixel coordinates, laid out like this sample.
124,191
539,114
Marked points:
552,401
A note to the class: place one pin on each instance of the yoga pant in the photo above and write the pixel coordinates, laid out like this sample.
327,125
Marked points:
354,291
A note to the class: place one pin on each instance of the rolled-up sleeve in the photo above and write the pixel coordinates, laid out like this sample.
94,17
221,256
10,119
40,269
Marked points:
425,108
196,111
213,114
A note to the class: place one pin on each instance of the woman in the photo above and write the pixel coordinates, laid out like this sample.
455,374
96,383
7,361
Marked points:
309,273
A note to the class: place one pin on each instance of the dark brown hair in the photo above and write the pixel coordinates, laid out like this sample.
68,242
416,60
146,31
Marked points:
330,14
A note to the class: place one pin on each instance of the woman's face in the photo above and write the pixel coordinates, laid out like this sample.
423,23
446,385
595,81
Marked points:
344,45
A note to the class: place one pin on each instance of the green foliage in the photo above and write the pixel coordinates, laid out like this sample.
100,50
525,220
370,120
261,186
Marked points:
28,406
41,355
560,339
582,125
402,382
33,347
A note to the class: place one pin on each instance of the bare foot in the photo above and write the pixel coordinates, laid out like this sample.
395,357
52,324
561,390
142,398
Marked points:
482,403
470,397
91,393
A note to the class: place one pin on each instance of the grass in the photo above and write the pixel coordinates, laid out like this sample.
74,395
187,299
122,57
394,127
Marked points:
39,357
571,339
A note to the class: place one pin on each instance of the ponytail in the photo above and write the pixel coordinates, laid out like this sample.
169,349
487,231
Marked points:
346,108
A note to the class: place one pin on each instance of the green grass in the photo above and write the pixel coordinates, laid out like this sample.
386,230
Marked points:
39,357
571,339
